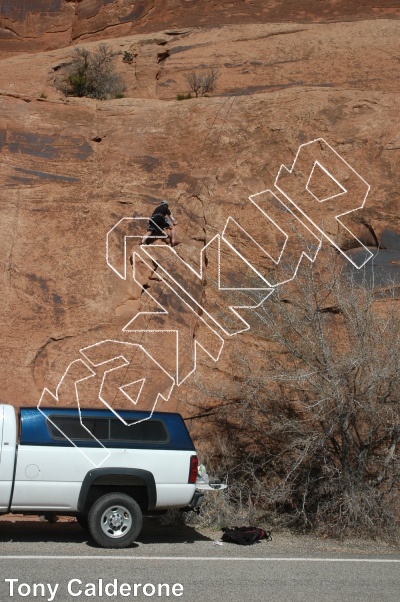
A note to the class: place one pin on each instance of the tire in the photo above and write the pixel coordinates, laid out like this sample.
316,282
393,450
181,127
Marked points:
115,520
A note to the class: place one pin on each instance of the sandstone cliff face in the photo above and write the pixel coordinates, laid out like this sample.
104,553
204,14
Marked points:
47,24
73,168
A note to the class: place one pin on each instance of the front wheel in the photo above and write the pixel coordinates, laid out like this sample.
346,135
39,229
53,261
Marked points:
115,520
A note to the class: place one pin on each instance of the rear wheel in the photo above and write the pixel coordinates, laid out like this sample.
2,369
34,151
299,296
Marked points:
115,520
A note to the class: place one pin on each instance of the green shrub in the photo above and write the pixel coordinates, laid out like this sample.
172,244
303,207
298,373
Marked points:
128,57
183,96
92,75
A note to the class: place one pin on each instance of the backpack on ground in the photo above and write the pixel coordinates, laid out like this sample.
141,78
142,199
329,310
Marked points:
245,536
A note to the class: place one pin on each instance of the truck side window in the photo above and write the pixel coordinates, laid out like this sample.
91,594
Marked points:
73,429
105,429
147,431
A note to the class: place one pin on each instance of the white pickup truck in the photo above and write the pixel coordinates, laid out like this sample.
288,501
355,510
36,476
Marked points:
106,470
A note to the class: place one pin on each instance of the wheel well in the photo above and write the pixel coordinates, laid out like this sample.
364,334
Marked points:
136,482
129,484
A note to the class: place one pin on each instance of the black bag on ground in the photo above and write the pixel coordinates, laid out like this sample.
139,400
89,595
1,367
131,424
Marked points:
245,536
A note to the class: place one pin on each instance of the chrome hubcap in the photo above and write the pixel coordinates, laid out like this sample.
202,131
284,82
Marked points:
116,521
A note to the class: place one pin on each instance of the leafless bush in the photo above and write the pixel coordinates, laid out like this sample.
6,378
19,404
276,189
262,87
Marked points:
313,419
92,75
202,83
232,506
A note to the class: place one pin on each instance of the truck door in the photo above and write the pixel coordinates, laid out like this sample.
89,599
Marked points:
8,441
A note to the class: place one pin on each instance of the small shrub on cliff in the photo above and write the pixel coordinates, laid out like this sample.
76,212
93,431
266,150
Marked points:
92,75
202,83
128,57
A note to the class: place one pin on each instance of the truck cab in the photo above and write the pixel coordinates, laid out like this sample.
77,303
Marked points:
8,444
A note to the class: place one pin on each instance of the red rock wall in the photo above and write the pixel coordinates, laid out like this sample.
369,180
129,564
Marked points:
72,168
33,25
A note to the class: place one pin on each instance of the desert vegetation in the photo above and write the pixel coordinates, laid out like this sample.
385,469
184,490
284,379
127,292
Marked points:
309,424
92,74
201,83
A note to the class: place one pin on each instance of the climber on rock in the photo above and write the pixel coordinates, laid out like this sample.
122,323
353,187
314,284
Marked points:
158,222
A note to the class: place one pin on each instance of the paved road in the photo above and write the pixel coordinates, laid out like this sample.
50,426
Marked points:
284,570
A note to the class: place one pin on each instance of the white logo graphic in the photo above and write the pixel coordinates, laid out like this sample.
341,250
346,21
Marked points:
239,270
